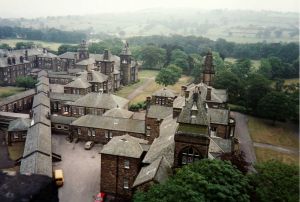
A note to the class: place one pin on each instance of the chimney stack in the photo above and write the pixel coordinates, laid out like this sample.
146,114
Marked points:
208,93
26,54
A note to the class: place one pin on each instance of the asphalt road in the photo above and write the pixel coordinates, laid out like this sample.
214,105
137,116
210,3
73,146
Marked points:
242,134
81,169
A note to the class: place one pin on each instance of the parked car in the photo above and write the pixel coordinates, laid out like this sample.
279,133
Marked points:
100,197
88,145
59,177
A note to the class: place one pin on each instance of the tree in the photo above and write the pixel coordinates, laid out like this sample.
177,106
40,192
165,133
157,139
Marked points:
242,68
275,181
25,81
237,158
204,180
22,45
169,75
275,105
152,57
180,58
5,46
257,86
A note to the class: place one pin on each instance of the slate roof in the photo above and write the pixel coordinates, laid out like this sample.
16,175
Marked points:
158,171
97,77
139,115
17,96
101,100
12,114
219,145
43,80
56,88
159,112
40,114
164,92
78,83
88,61
118,113
124,145
179,102
218,116
38,139
64,97
47,55
42,88
111,123
62,119
68,55
41,99
164,145
200,116
20,124
42,73
217,95
37,163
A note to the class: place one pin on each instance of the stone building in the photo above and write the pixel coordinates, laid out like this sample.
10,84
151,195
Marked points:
17,130
120,164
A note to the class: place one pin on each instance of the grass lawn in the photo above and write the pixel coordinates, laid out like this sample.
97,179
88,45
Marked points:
282,134
263,154
154,87
145,73
8,91
50,45
290,81
16,150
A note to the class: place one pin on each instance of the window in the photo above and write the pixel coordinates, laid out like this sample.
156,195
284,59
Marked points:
79,131
108,135
89,132
126,164
93,133
16,136
24,135
59,126
189,155
125,184
148,130
66,127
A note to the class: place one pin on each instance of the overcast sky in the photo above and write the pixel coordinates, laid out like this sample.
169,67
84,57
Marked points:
37,8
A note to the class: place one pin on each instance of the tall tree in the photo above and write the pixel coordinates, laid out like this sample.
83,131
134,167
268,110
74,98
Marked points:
204,180
152,57
169,75
275,181
25,82
275,105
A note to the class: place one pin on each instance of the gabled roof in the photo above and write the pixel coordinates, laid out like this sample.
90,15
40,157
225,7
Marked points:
124,145
218,116
118,113
111,123
62,119
43,80
159,112
79,83
219,146
101,100
41,99
37,163
20,124
179,102
164,92
42,88
97,77
88,61
163,145
40,115
47,55
217,95
68,55
64,97
158,171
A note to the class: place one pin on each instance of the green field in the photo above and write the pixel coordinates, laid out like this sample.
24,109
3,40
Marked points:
49,45
8,91
291,81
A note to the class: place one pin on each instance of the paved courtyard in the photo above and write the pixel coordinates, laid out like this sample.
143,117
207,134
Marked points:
81,170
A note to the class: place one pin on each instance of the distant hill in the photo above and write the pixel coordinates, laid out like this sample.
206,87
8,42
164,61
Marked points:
232,25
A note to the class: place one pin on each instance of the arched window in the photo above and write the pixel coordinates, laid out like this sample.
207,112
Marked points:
189,155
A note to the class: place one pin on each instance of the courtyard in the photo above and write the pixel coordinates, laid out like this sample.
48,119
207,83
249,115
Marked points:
81,169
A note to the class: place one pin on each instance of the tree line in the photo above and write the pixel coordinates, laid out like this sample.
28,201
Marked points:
50,34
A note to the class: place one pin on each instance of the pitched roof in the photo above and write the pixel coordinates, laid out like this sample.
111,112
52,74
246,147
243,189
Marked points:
218,116
179,102
41,99
101,100
62,119
124,145
118,113
37,163
42,88
64,97
47,55
4,62
88,61
217,95
159,112
20,124
40,115
111,123
218,146
17,96
97,77
68,55
158,171
79,83
43,80
163,145
164,92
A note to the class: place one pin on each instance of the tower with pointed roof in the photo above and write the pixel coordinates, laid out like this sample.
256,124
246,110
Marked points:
125,65
208,69
192,135
83,51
